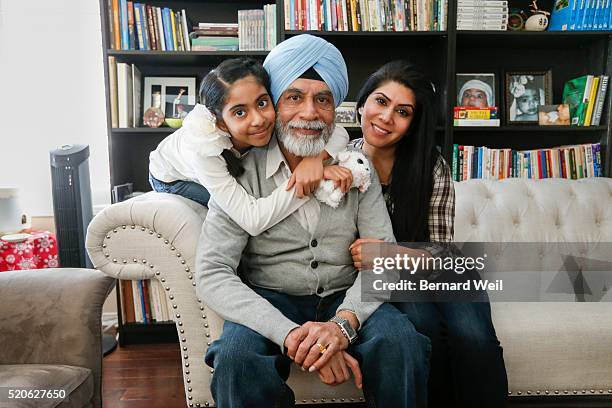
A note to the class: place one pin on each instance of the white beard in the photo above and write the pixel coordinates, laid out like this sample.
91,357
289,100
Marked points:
303,145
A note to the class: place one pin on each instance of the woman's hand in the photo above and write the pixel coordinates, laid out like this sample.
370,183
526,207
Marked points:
306,177
355,249
341,176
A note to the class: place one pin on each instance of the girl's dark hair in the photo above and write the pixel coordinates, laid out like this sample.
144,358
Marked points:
213,94
415,154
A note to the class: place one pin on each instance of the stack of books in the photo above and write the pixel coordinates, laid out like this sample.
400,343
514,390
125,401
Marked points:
586,96
468,116
257,29
570,162
366,15
486,15
136,26
143,301
215,37
581,15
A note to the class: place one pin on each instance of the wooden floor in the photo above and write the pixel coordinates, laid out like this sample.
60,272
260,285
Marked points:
144,375
149,375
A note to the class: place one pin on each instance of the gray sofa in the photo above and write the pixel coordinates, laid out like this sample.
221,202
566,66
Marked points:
50,335
552,350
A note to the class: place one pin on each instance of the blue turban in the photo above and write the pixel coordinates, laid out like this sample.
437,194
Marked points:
291,58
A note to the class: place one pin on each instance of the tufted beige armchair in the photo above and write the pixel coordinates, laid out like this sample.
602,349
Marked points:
550,349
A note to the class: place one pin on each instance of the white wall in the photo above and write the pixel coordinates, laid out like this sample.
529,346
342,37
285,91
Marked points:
51,93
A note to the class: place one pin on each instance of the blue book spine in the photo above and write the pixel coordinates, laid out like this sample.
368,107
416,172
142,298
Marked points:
123,18
480,162
292,25
584,26
591,16
528,160
561,16
572,24
142,300
167,29
543,159
143,26
580,14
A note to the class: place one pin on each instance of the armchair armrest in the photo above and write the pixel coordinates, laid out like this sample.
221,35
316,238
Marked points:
53,316
155,236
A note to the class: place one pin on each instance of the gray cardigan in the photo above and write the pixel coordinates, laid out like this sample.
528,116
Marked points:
283,258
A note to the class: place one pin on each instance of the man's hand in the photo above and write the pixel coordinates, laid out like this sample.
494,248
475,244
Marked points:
307,176
355,249
326,334
341,176
336,371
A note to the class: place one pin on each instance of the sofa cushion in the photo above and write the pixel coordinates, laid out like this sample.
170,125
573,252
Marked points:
77,381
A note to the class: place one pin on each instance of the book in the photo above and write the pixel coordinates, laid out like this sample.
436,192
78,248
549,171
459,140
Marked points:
573,94
112,89
462,112
127,301
116,25
136,92
185,26
476,122
123,17
124,95
561,15
591,101
599,101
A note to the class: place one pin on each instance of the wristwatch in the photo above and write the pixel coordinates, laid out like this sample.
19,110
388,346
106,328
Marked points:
347,329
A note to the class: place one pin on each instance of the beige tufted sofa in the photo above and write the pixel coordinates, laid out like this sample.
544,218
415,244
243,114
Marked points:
551,349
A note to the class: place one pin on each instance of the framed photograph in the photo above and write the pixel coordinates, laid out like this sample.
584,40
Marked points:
174,96
554,115
525,93
346,114
476,90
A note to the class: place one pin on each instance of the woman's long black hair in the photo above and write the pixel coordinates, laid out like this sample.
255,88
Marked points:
213,94
415,154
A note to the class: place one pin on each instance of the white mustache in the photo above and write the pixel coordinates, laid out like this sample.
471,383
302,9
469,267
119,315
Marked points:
307,124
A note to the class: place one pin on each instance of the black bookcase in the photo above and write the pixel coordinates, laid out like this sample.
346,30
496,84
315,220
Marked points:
441,54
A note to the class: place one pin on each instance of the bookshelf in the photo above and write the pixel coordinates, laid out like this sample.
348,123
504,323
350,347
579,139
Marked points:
441,54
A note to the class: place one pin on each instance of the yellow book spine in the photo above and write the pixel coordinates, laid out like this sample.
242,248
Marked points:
591,105
173,30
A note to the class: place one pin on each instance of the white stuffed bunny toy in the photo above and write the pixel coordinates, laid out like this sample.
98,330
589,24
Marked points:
357,163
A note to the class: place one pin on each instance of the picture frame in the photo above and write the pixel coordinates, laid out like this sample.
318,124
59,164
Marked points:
476,90
173,95
346,114
525,92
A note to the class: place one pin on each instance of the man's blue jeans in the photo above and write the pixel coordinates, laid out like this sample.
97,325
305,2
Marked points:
250,370
467,363
187,189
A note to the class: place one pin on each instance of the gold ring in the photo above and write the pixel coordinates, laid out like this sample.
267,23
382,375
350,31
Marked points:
322,348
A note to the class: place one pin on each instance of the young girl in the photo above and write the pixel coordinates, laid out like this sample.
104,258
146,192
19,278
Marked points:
202,158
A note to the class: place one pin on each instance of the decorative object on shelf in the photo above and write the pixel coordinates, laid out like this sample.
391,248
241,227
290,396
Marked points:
538,21
525,93
153,117
346,114
36,250
174,123
554,115
476,90
516,19
173,91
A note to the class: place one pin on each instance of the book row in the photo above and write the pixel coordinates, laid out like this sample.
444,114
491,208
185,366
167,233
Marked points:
570,162
365,15
137,26
581,15
143,301
257,29
586,96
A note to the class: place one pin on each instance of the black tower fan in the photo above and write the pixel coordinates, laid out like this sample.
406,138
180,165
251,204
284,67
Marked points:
71,203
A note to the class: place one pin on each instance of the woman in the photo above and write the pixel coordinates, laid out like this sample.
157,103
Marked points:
397,112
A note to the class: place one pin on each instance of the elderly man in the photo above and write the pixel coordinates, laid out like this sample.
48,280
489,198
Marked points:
298,297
